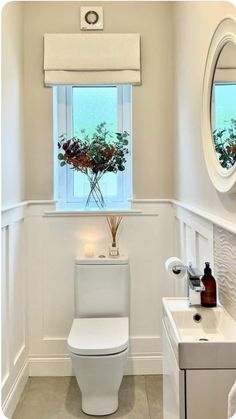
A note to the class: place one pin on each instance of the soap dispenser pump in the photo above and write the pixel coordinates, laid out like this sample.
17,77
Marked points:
208,297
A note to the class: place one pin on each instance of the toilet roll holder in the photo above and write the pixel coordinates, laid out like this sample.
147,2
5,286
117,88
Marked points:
195,285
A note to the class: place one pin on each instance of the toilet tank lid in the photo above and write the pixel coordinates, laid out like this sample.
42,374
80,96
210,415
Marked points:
121,260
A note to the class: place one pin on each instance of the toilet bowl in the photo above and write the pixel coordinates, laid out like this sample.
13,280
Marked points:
99,349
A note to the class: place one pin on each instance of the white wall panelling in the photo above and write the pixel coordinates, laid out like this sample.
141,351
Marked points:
14,321
53,244
194,242
199,239
208,216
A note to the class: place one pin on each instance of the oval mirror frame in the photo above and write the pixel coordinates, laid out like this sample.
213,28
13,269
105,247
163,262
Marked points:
223,180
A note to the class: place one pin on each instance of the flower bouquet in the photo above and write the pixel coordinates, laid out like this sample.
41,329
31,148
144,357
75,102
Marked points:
94,156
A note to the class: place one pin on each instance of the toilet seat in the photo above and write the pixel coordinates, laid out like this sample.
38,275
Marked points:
99,336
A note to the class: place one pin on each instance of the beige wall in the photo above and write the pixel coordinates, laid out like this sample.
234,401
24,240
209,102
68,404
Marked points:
194,25
12,104
152,112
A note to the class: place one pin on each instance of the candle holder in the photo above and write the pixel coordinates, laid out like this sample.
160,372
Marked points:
89,250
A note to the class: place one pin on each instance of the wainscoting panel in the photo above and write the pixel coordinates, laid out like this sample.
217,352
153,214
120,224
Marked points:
199,240
5,307
14,324
18,290
38,252
225,268
53,244
194,242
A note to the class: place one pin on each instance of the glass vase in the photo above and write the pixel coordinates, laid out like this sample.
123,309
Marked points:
95,194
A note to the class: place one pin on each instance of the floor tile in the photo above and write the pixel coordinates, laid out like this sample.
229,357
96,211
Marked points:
140,397
154,395
133,402
42,398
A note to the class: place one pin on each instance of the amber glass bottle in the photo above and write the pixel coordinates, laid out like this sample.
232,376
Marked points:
208,297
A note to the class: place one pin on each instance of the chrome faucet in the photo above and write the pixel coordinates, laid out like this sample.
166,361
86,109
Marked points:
195,285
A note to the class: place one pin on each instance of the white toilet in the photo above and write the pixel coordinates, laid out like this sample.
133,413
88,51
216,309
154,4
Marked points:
99,338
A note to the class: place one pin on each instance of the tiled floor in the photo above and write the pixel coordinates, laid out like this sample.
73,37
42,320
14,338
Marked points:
59,398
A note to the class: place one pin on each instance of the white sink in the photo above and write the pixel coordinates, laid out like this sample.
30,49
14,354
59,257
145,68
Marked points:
200,337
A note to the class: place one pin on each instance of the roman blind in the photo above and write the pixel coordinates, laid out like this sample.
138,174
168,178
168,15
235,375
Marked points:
91,59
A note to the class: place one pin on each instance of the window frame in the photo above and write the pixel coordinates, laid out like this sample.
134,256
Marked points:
63,176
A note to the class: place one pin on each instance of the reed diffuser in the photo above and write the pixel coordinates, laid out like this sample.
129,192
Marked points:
114,223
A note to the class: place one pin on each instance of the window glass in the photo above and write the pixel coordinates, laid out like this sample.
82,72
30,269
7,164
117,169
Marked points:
224,123
78,110
93,105
224,105
90,107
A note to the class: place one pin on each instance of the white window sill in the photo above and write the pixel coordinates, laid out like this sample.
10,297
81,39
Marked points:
97,213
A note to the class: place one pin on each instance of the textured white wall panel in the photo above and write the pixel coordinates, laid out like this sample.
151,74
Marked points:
225,268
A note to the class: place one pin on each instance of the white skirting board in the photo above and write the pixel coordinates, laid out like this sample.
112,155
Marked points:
61,366
144,365
13,397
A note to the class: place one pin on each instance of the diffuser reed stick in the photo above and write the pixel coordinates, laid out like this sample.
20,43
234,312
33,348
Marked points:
114,223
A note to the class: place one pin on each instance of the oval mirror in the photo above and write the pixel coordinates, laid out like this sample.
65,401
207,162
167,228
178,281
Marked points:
219,107
223,106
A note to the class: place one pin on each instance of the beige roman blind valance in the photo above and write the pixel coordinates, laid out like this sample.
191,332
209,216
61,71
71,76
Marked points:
91,59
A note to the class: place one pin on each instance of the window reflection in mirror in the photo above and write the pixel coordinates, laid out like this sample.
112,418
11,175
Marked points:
223,106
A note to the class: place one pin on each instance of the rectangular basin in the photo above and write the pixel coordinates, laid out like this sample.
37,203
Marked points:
200,337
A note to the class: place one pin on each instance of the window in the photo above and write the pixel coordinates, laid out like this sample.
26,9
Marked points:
77,108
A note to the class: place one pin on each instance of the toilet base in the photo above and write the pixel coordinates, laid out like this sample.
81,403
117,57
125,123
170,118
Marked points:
99,379
101,406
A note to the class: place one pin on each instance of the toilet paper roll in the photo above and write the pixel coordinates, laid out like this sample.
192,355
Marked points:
170,265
